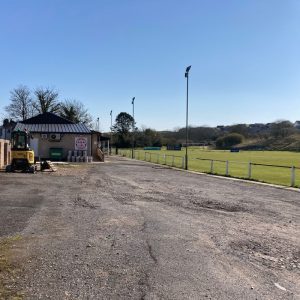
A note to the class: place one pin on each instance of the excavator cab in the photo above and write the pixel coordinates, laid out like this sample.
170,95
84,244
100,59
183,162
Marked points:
22,157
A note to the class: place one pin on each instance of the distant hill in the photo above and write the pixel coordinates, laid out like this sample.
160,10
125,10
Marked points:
289,143
280,135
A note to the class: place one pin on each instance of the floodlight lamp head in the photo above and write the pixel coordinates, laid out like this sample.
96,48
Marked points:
188,69
133,100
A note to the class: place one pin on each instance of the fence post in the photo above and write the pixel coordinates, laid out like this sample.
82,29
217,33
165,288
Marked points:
182,162
165,157
227,168
292,176
249,170
158,158
150,157
173,161
211,166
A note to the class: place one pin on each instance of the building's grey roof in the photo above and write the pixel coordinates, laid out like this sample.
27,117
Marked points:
54,128
47,118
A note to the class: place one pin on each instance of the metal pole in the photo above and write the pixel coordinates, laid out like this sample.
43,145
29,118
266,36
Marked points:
97,124
211,166
110,130
186,125
227,167
187,116
293,176
132,154
249,170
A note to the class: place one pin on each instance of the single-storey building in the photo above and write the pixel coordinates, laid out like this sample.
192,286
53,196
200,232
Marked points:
57,138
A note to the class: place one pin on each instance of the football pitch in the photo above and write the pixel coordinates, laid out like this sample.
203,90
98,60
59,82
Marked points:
265,166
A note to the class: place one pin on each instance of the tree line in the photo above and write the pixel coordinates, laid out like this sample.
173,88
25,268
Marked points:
125,133
25,104
222,137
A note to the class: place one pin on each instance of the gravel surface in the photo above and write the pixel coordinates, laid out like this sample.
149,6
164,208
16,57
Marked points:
133,230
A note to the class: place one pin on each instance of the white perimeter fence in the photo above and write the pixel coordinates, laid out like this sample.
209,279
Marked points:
285,175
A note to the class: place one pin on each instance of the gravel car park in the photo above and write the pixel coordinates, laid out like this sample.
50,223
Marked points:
128,229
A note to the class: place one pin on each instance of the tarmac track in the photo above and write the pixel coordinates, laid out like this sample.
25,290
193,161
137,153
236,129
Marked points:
133,230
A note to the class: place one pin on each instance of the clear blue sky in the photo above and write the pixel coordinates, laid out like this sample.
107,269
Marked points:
245,57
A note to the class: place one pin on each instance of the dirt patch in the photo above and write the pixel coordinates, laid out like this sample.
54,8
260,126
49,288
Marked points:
210,204
8,270
160,168
268,254
71,169
79,201
135,164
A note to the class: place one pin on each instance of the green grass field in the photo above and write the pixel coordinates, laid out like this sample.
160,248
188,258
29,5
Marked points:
238,162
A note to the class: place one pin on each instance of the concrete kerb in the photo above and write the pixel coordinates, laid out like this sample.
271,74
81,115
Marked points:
277,186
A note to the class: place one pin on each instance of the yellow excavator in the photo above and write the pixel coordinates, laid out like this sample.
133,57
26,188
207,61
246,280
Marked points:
22,156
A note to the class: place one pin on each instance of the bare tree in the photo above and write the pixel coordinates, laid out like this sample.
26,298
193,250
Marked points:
76,112
21,106
46,100
282,129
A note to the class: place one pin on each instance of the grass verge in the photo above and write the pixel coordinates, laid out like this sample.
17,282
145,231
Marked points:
8,271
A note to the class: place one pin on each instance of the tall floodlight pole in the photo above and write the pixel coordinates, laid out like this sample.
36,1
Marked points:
97,124
187,115
110,131
132,152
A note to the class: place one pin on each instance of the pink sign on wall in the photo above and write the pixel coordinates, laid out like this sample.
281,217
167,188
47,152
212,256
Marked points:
81,143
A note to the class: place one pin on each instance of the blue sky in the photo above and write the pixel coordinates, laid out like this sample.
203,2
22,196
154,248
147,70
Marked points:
245,57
